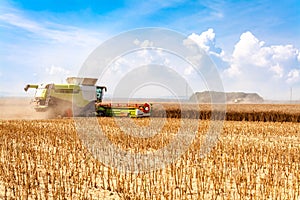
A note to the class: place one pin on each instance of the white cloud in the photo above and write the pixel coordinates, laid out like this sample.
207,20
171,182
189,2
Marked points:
188,70
206,40
250,53
254,66
54,71
145,43
136,42
20,22
55,32
278,70
246,53
52,74
293,76
233,70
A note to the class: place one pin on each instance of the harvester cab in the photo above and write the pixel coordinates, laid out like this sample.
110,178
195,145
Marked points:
99,93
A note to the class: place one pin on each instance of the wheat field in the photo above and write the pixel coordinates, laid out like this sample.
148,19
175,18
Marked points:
45,159
234,112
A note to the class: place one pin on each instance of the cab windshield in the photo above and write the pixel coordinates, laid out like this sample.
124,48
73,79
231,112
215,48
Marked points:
99,94
41,91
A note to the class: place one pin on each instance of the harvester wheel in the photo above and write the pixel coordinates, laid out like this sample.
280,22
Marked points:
101,113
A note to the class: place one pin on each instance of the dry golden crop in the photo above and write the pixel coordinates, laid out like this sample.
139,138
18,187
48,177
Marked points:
234,112
44,159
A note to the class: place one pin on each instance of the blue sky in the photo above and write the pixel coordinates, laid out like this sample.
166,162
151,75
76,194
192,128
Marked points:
255,44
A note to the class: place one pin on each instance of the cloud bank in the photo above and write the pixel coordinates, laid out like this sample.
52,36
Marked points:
271,70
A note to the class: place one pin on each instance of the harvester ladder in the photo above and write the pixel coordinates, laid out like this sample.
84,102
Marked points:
48,94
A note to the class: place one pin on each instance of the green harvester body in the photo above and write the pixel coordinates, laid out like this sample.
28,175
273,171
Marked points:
81,97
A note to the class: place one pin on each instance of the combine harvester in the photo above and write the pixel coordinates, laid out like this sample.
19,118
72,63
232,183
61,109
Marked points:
81,97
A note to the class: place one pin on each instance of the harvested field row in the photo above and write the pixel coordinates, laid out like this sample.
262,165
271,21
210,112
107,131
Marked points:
44,159
234,112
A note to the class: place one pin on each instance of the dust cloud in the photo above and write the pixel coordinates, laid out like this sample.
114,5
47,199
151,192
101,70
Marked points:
19,108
